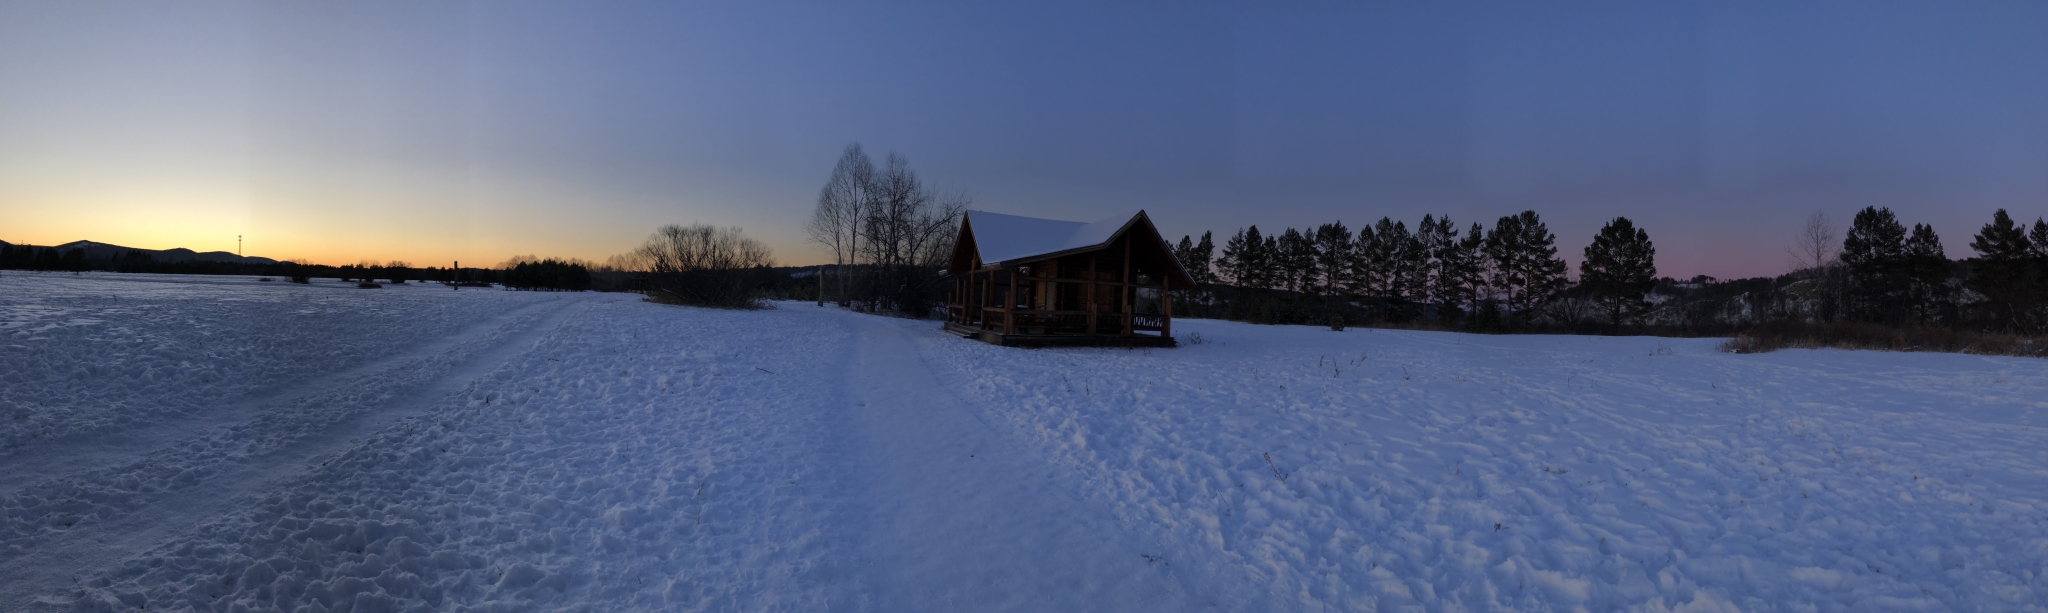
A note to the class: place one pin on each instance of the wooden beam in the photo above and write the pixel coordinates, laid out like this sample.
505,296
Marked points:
1068,280
1009,302
1124,293
1091,295
1165,307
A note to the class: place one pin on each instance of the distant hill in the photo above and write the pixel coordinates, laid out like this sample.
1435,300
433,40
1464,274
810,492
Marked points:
104,251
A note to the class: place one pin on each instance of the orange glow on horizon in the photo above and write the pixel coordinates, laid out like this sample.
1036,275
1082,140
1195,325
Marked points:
209,221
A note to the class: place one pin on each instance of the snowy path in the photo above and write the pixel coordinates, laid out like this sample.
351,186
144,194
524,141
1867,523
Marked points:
970,520
79,507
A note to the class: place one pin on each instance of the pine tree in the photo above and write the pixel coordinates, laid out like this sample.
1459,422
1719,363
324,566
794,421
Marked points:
1468,268
1333,245
1184,252
1620,268
1389,239
2004,271
1439,238
1235,252
1875,253
2038,298
1526,267
1269,262
1295,261
2039,239
1251,261
1503,255
1411,269
1203,270
1928,268
1365,277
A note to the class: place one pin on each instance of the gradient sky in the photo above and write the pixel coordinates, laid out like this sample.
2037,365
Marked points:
435,131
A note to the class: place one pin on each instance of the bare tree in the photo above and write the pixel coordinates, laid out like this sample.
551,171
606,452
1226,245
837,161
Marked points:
625,262
906,236
888,231
1815,246
843,207
930,244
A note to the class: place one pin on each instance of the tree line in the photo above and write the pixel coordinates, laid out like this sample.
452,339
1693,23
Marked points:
1508,276
31,257
526,272
1886,273
1879,272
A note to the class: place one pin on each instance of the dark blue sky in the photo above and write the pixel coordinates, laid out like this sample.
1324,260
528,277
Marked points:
573,129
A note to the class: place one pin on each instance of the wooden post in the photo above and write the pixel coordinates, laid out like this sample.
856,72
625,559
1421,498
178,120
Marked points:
1165,308
1091,294
1009,302
456,274
981,310
1124,292
821,285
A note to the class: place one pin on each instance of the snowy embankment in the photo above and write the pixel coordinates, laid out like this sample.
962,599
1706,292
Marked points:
563,450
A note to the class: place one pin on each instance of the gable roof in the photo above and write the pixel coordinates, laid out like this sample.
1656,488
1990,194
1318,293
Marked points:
1001,238
996,238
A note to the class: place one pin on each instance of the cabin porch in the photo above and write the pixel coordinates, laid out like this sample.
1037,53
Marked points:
1097,298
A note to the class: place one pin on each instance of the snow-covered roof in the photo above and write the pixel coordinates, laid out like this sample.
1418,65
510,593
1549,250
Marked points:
1001,238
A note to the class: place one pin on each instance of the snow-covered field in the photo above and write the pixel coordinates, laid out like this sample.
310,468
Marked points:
227,444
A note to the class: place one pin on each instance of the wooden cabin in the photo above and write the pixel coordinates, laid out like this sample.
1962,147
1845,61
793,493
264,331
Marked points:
1023,281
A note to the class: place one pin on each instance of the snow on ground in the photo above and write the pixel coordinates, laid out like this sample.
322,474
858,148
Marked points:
86,356
522,451
1389,470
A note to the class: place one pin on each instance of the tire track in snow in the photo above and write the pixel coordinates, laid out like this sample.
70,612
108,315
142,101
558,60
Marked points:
78,458
130,353
640,457
57,530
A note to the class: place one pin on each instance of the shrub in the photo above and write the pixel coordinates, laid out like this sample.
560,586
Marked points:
704,266
1772,336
